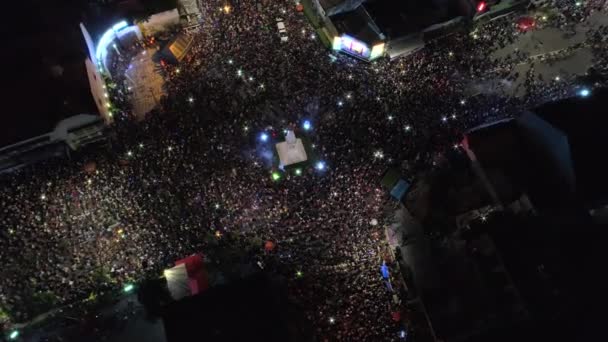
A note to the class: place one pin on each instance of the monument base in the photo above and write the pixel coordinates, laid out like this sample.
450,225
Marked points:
291,153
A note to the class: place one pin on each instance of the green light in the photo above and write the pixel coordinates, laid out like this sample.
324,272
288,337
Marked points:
276,176
128,288
299,274
14,334
298,172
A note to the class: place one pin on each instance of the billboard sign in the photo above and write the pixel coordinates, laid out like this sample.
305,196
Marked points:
351,46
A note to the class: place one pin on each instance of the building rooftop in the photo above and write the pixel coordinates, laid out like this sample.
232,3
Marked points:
359,25
401,18
583,121
254,308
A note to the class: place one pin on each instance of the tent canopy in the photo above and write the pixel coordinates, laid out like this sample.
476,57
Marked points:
177,49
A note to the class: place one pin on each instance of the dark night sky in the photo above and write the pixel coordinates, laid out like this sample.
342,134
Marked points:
44,74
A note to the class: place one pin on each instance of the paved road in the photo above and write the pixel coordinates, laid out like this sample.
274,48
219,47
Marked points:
543,42
146,83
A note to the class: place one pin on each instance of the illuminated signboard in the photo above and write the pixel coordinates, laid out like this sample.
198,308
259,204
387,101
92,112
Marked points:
352,46
377,51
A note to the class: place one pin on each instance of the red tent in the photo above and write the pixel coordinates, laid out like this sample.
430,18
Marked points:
188,277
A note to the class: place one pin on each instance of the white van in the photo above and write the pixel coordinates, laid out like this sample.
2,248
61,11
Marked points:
282,29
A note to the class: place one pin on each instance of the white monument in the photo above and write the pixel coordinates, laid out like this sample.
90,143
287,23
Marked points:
291,151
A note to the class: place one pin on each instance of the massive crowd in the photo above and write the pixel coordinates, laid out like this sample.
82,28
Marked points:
197,166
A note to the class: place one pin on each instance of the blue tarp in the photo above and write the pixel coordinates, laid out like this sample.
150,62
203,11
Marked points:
400,189
384,271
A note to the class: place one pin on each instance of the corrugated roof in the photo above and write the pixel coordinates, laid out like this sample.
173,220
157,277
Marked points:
180,46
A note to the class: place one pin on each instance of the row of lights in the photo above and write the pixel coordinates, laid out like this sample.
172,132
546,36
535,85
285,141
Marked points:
128,288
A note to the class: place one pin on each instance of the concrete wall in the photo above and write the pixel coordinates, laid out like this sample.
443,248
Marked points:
96,84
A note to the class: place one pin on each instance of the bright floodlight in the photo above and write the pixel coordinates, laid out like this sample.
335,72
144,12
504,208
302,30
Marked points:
14,334
276,176
584,92
264,137
306,125
128,288
320,166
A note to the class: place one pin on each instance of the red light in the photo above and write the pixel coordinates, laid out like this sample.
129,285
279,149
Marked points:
481,6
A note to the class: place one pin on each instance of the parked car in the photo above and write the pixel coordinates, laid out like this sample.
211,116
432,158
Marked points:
282,30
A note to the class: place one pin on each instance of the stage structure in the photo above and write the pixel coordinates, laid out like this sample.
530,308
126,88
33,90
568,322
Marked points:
291,151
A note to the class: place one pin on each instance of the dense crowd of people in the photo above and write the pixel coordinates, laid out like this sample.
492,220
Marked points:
196,167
